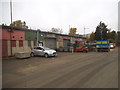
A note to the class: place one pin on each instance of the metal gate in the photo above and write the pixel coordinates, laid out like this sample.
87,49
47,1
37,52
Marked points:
50,43
66,44
4,48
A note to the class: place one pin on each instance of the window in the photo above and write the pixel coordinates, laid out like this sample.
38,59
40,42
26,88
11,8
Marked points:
35,47
13,43
39,48
29,43
20,43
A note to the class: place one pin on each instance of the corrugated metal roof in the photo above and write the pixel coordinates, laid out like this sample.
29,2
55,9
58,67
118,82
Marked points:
25,29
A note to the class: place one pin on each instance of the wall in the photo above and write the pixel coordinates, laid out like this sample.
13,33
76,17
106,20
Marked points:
25,47
4,48
59,41
15,35
5,34
27,35
30,35
18,35
9,47
41,36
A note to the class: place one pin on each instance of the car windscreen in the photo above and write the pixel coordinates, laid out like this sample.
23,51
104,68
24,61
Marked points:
111,43
46,48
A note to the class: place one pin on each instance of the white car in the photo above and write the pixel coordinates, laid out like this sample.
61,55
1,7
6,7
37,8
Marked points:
43,51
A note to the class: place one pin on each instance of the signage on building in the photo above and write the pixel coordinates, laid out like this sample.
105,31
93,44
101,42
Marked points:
51,35
66,37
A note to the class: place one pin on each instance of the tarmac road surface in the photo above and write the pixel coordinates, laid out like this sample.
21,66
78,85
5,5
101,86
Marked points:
67,70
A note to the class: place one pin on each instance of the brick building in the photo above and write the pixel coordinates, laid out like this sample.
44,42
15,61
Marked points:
20,39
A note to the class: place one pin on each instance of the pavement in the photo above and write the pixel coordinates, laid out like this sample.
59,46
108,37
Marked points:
67,70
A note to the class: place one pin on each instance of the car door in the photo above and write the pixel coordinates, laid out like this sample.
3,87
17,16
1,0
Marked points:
39,51
35,50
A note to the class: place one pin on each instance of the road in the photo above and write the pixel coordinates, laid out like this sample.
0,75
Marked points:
77,70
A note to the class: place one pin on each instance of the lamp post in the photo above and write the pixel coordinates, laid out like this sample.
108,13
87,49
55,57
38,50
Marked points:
84,30
11,27
11,10
69,27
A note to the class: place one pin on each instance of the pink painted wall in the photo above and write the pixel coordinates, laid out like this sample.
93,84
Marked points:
0,33
5,34
15,35
18,35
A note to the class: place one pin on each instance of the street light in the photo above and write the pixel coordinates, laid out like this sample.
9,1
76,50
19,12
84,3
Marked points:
11,10
84,30
11,27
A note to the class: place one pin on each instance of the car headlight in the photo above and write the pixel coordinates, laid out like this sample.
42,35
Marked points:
50,52
111,46
97,46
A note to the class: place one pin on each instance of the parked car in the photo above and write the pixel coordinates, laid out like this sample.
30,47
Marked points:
80,47
43,51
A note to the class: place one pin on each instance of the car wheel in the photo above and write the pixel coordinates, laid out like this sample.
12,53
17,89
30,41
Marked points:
54,55
98,50
46,55
86,51
32,54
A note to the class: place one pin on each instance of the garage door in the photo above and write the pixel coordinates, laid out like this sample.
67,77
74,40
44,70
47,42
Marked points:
50,42
65,44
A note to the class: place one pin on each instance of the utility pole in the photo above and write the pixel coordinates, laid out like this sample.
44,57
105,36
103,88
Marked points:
11,27
84,30
101,35
11,10
72,48
69,27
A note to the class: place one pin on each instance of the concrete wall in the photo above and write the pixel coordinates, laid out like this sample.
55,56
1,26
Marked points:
25,47
32,44
9,47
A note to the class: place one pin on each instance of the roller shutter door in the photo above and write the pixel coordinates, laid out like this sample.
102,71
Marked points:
50,42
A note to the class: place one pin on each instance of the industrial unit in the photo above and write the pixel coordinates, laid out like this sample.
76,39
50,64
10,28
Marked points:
19,39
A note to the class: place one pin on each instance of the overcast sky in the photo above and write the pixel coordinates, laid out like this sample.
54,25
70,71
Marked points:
45,14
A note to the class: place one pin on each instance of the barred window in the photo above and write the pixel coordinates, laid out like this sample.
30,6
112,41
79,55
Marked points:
13,43
20,43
